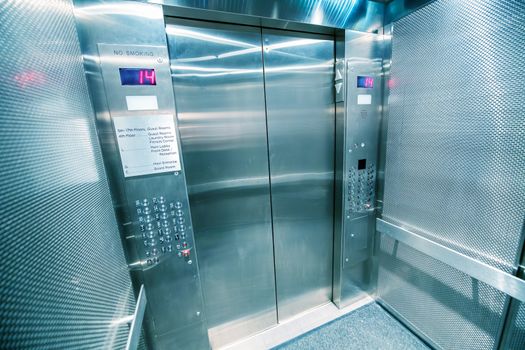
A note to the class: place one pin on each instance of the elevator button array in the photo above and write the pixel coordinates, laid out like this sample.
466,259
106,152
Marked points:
361,188
160,222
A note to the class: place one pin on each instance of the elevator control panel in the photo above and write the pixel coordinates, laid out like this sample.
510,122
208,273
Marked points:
128,74
362,120
162,223
146,160
361,186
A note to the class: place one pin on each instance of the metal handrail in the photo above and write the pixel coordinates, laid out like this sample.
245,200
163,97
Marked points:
136,321
503,281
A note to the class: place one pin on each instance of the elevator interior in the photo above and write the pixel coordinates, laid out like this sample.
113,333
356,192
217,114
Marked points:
243,165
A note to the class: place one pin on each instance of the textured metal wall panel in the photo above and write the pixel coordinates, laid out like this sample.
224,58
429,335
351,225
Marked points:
63,280
516,335
455,163
396,9
444,305
455,168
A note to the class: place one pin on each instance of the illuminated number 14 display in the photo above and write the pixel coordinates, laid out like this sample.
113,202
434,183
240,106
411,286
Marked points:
148,76
137,76
365,82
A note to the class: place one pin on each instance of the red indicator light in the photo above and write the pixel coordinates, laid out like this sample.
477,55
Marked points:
391,83
30,78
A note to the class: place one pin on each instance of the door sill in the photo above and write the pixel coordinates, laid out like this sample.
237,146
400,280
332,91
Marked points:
296,326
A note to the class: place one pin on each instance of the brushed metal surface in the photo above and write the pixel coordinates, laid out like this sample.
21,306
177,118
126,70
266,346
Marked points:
63,277
505,282
175,314
362,15
363,54
357,132
455,163
217,75
300,107
135,328
339,156
383,129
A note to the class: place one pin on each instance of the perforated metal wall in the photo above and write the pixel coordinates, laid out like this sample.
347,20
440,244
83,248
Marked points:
64,283
455,168
455,164
516,334
449,308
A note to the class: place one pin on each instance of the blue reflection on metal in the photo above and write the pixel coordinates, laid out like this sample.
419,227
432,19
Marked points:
397,9
362,15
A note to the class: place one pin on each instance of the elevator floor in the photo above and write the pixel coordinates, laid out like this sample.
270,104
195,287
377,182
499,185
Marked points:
361,326
369,327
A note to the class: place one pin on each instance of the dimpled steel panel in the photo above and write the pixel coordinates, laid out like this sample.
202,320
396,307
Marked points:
446,306
516,332
64,282
455,168
455,164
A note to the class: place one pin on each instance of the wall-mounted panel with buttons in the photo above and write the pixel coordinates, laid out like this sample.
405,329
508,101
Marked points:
361,145
357,140
162,223
136,122
361,182
149,153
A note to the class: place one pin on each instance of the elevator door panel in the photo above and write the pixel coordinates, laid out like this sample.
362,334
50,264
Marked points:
301,121
219,90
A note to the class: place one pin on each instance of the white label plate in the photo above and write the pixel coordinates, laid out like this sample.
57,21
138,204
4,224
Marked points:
364,99
142,103
147,144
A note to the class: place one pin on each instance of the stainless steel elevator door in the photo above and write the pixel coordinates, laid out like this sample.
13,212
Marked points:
219,91
301,127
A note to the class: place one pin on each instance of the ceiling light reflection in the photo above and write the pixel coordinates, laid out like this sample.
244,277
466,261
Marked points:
196,71
177,31
251,49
